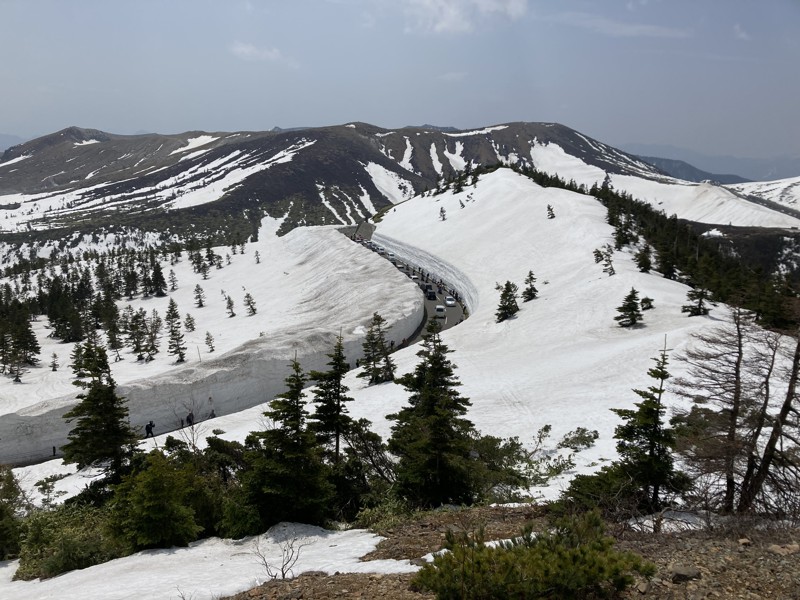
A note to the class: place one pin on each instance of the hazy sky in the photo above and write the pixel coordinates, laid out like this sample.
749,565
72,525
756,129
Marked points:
714,76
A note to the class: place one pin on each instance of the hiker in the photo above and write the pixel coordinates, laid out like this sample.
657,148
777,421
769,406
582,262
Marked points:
148,430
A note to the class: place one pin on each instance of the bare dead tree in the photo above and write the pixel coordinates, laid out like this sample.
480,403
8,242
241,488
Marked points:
736,430
290,547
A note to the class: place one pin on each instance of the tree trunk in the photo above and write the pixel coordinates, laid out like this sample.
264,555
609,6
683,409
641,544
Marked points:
750,493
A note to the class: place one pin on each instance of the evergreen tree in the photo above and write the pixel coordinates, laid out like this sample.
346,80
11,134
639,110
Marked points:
608,264
645,443
530,292
431,437
699,297
250,304
286,479
508,306
137,332
173,281
643,259
629,311
153,334
102,434
229,306
199,296
159,284
550,213
151,506
257,257
189,323
209,341
173,319
330,420
54,362
377,362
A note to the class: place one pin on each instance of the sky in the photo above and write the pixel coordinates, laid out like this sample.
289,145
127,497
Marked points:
718,77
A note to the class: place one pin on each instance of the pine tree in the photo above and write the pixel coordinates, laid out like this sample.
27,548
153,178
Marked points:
137,332
209,341
250,304
286,479
608,264
154,325
188,322
173,319
330,420
530,292
101,435
199,296
158,283
229,306
431,437
257,257
377,362
645,443
643,259
508,306
442,214
699,297
550,213
629,311
173,281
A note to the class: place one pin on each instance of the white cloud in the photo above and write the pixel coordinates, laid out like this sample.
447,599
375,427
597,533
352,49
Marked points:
612,28
740,33
250,52
458,16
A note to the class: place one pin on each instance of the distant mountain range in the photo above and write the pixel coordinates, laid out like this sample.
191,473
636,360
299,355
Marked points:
7,140
216,187
753,169
206,184
683,170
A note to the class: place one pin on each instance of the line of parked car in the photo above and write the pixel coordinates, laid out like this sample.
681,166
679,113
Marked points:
429,289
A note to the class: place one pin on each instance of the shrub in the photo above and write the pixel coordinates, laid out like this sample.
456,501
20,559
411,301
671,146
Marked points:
611,490
579,439
70,537
12,505
575,560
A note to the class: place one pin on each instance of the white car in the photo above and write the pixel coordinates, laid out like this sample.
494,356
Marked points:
449,301
438,312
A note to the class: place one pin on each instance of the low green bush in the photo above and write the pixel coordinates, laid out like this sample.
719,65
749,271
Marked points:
67,538
575,560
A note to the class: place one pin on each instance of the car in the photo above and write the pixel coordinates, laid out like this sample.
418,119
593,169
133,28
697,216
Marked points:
449,301
430,295
439,312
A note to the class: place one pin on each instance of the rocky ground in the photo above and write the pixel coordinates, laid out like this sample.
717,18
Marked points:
729,563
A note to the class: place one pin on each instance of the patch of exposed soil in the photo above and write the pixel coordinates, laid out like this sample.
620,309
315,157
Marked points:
725,564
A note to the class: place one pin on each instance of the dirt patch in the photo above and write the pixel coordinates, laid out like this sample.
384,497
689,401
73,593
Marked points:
741,565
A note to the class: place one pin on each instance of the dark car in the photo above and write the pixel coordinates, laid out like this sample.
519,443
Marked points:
430,295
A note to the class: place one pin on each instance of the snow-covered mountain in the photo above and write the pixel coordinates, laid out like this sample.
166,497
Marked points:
87,180
561,361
